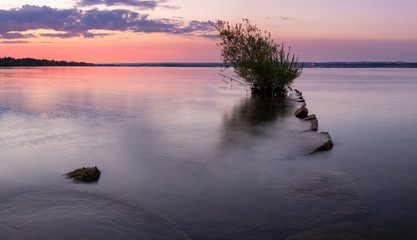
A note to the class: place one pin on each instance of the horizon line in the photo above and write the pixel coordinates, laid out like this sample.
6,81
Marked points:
199,62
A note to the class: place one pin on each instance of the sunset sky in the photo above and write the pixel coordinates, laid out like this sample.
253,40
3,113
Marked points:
131,31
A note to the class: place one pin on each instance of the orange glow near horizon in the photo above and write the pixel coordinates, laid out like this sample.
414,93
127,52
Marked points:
117,49
174,48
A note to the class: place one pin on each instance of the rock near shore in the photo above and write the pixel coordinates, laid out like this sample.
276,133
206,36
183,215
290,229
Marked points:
85,174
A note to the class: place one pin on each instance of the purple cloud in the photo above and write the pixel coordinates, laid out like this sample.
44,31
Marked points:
60,35
34,17
210,36
194,26
286,18
136,3
280,18
13,42
74,22
15,35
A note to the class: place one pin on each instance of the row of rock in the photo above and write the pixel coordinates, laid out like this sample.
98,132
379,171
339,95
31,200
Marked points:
92,174
302,113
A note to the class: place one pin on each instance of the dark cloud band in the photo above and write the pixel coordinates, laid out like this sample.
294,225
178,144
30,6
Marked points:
75,22
13,42
136,3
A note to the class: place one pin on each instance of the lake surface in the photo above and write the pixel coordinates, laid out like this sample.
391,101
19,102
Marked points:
184,155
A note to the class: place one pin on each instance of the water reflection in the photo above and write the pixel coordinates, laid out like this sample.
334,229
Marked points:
218,164
255,124
255,111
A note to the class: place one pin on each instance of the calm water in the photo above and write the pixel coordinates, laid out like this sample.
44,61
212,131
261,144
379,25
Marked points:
184,155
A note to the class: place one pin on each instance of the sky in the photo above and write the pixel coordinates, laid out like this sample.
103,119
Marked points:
134,31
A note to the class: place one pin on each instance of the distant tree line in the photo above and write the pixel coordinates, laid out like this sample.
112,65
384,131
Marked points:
360,65
13,62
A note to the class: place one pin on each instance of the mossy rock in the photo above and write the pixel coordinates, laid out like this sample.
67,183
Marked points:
301,112
85,174
314,124
310,117
297,92
326,144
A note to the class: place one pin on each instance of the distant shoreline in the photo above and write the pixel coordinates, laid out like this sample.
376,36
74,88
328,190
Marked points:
31,62
306,64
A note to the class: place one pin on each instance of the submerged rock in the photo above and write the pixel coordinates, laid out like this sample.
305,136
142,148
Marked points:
314,124
349,227
314,196
85,174
310,117
327,143
302,112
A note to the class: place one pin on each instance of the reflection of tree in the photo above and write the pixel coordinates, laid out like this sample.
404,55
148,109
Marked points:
253,114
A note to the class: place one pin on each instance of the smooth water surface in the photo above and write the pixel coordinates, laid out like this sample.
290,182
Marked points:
371,115
184,155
